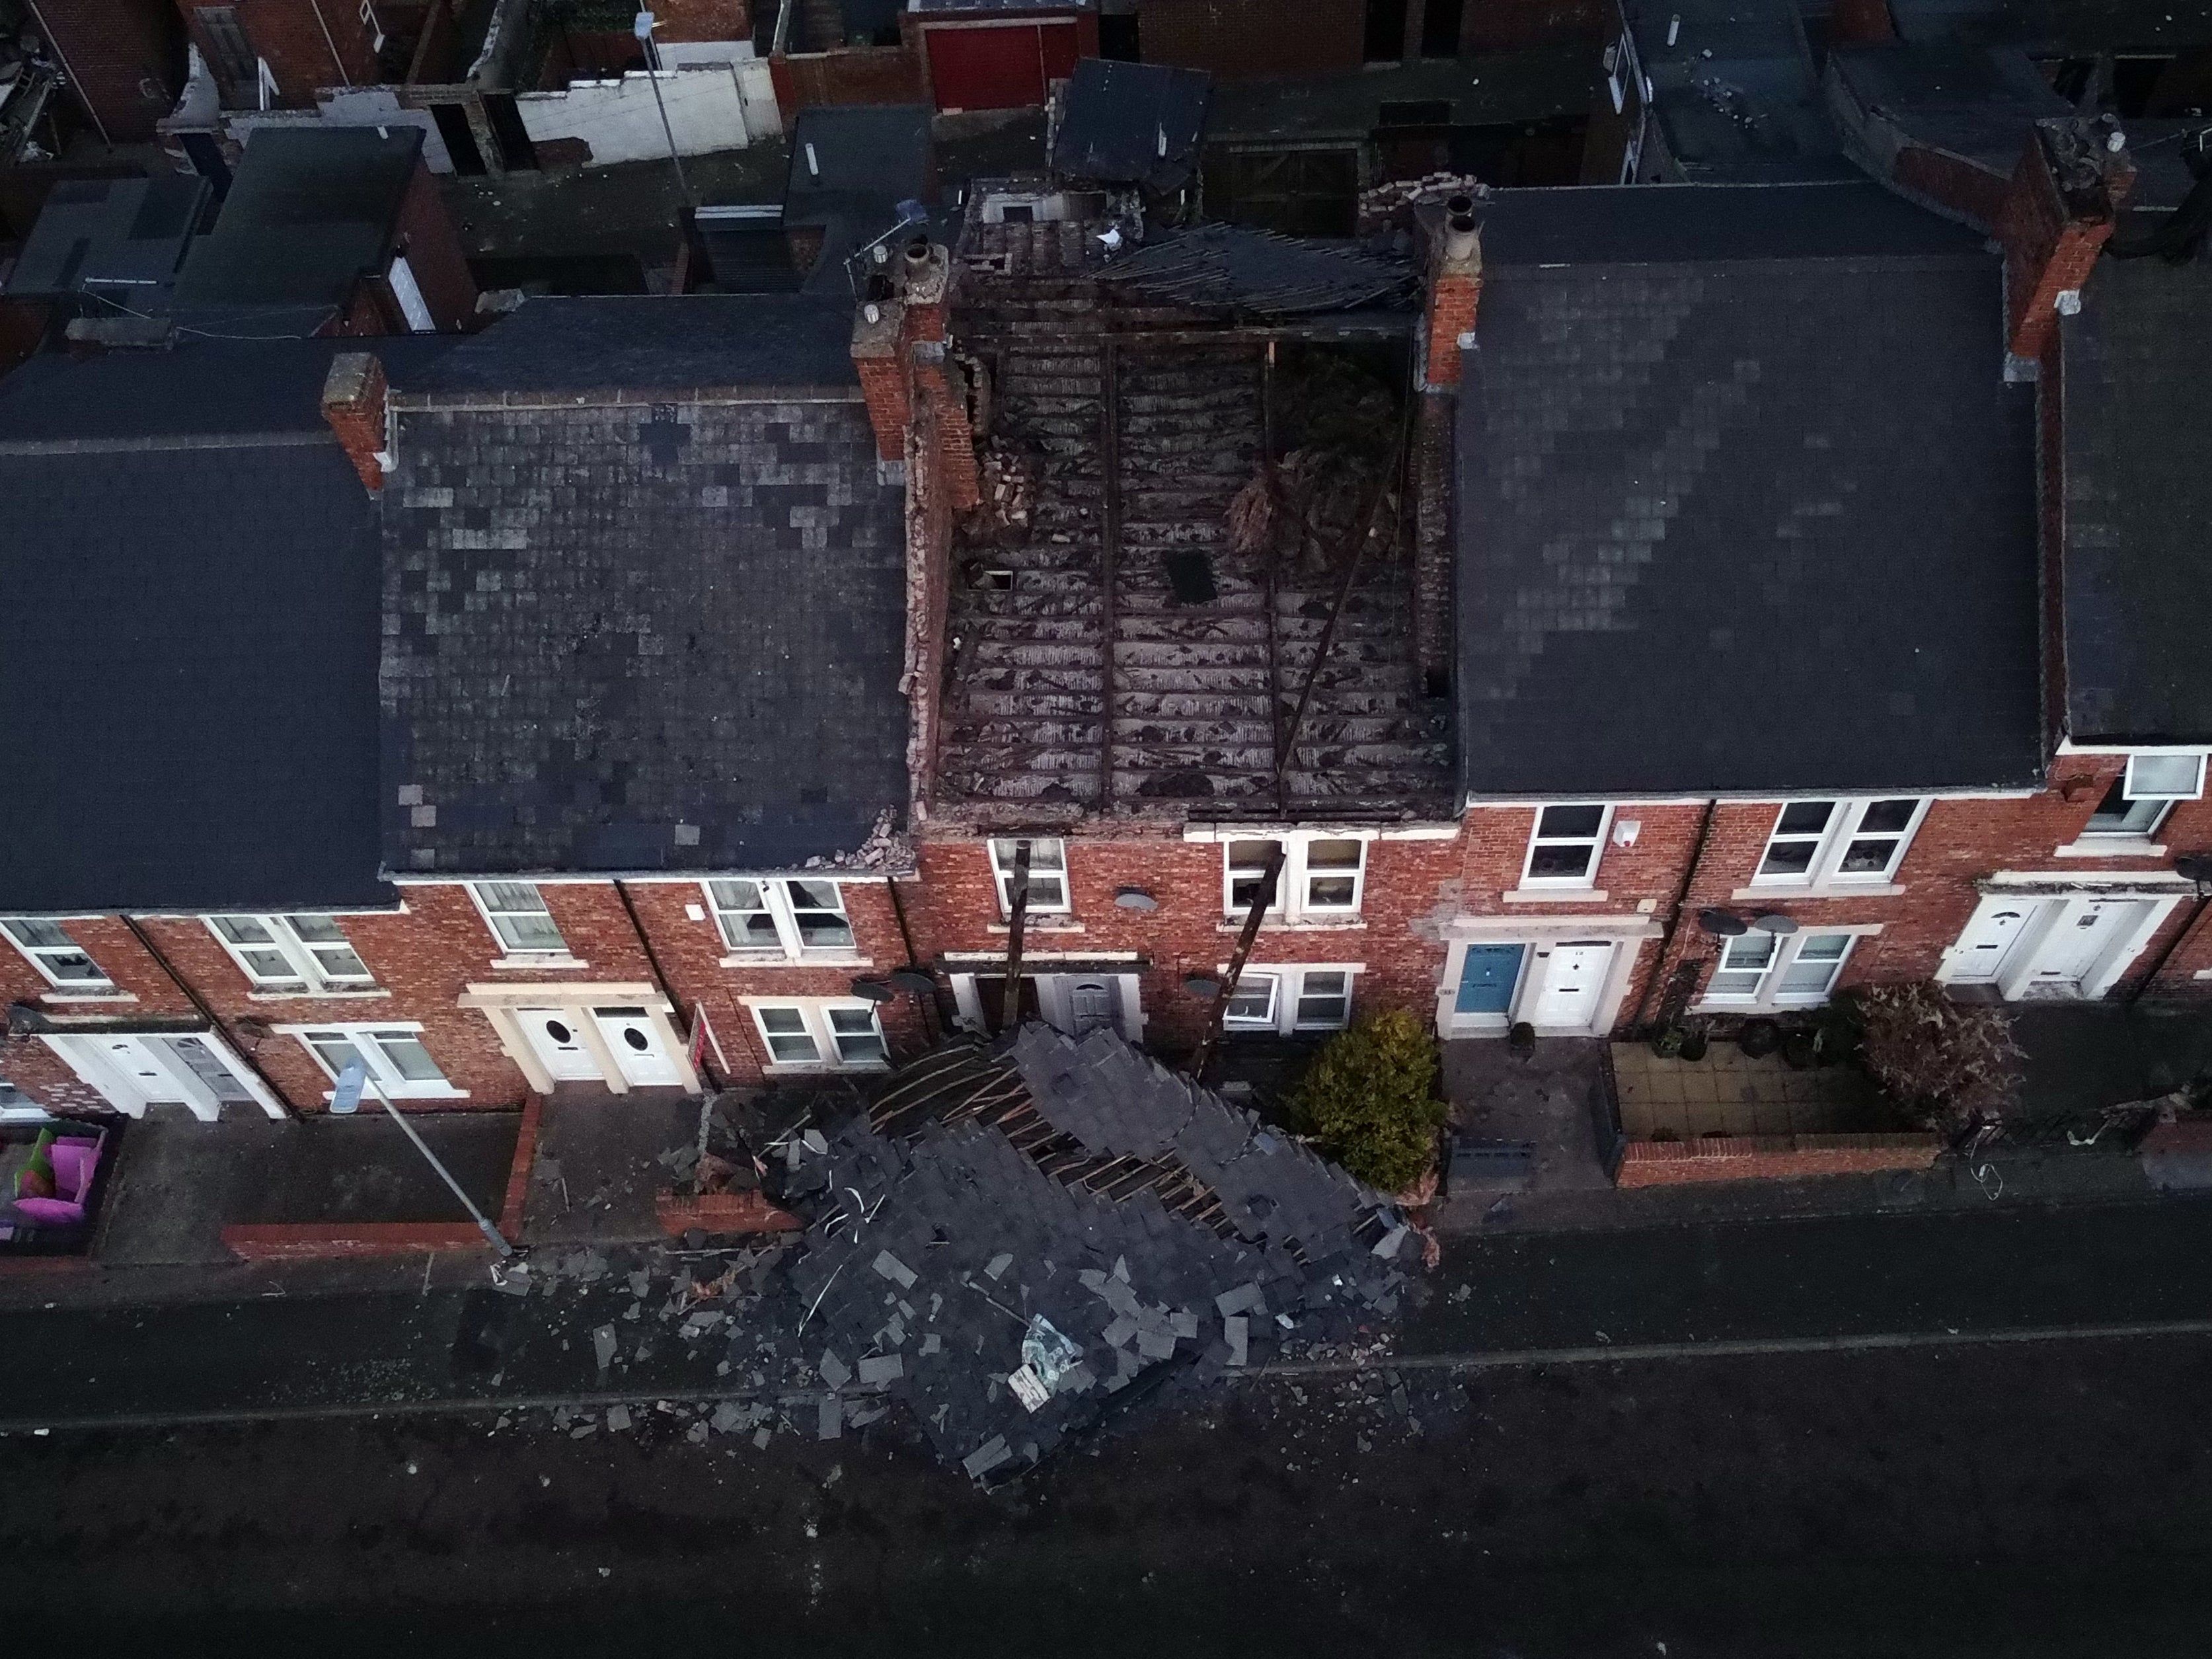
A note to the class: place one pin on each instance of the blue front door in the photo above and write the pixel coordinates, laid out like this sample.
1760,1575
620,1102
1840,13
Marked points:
1487,978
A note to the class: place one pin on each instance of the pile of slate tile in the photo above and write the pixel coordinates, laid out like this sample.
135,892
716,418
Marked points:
1015,1245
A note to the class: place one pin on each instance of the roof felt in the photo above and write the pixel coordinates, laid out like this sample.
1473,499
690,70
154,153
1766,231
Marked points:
1130,124
187,644
122,231
1735,93
1978,102
880,154
2136,383
1744,525
1238,267
652,343
309,211
623,638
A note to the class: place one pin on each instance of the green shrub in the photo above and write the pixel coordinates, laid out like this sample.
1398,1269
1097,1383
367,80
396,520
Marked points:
1369,1099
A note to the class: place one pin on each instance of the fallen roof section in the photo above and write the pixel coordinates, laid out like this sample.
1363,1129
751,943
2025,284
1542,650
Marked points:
1069,1221
1130,124
1744,523
1239,268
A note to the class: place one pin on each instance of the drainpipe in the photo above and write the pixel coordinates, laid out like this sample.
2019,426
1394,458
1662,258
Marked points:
930,1016
146,940
1674,915
1017,911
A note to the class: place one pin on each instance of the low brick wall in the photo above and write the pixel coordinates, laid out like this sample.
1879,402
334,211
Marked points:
721,1212
518,1174
281,1240
1771,1158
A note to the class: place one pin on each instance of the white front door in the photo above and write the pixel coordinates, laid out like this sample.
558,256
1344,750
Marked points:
559,1048
2079,936
134,1072
1091,1005
1995,927
634,1039
1573,980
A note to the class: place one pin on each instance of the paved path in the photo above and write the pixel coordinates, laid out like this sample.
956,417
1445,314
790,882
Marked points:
1864,1281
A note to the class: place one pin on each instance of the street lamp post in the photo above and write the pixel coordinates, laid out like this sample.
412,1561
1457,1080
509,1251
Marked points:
347,1101
641,27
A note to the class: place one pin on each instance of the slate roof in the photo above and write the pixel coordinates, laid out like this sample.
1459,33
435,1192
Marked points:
639,635
1744,523
188,624
1159,1230
2060,27
1239,268
1130,124
309,211
2137,382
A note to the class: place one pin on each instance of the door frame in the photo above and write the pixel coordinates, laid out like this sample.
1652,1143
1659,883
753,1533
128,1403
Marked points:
1626,934
499,1004
2054,905
80,1052
1053,983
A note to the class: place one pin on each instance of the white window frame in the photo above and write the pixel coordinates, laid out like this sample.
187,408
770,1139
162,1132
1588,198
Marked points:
1001,850
1294,903
1832,842
305,966
2136,789
815,1015
1768,995
363,1037
36,955
1596,842
776,904
1287,980
529,953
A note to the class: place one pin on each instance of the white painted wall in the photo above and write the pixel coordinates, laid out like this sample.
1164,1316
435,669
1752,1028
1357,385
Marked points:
708,110
350,106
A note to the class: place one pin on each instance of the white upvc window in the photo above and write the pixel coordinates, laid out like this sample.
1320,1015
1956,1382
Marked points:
1287,999
518,917
1047,874
310,952
1819,843
1322,876
1760,970
795,918
2145,792
1566,844
51,950
821,1033
393,1055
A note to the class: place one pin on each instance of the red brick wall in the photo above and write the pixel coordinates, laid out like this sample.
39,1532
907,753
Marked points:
433,253
2049,247
1409,886
679,21
127,58
690,954
1453,297
858,75
1517,25
1958,184
289,37
1771,1158
34,1068
1234,38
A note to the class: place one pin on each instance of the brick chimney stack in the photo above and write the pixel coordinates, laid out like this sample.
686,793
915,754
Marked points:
902,349
879,354
1454,289
2058,211
353,403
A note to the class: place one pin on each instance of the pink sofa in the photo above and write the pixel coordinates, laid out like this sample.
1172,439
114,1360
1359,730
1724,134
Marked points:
74,1160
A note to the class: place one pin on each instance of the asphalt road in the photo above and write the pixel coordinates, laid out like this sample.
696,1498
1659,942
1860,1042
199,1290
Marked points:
1836,1279
2016,1500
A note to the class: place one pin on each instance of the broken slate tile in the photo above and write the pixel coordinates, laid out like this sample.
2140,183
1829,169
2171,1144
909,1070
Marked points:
1120,1331
835,1372
894,1270
761,1437
829,1419
985,1457
1234,1328
603,1344
880,1368
997,1267
1155,1344
618,1418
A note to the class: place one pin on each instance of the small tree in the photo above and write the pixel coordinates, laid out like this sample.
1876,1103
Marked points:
1956,1063
1370,1099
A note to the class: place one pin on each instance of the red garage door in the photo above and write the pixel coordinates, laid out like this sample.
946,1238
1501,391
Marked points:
1004,66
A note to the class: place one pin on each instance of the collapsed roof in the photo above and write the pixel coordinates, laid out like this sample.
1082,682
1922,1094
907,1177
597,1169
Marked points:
1130,124
1072,1211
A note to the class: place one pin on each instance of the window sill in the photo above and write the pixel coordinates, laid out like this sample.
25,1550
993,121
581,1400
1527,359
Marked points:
1310,925
1835,890
368,994
764,959
535,965
2110,847
1554,895
87,996
396,1096
1032,925
803,1068
1759,1008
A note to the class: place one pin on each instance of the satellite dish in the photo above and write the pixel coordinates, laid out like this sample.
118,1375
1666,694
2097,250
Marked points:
1135,898
2196,867
913,979
1721,924
1200,985
1773,923
875,990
